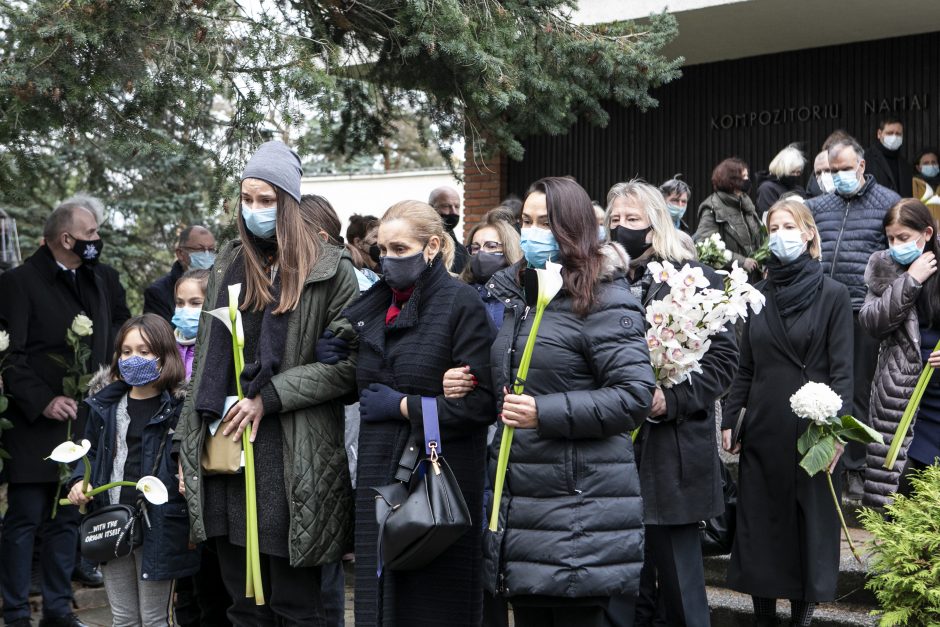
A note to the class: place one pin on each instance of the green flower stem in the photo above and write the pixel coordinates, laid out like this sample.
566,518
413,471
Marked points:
506,441
100,489
845,528
904,426
85,479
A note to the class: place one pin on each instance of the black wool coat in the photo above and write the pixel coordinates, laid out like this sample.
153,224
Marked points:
879,161
787,535
677,453
38,302
571,509
160,296
443,325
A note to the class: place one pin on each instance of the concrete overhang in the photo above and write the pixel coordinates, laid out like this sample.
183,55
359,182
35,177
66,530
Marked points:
717,30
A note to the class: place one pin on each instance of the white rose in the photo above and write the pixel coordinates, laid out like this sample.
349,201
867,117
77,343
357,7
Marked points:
82,325
4,341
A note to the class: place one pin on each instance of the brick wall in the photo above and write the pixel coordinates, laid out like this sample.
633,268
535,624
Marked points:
483,188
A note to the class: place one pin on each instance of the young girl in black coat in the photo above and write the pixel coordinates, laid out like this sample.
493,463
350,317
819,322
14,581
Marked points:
130,425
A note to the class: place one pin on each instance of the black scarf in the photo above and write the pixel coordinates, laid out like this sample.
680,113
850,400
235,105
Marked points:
269,348
795,284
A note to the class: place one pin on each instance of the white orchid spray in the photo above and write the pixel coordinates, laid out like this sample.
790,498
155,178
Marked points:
819,404
549,284
682,322
231,317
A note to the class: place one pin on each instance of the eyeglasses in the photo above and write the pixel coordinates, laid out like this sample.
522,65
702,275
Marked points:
197,249
487,247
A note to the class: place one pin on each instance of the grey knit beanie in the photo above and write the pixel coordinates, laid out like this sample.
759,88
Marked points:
278,165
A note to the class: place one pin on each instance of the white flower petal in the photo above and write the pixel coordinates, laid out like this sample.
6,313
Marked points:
550,282
153,490
69,452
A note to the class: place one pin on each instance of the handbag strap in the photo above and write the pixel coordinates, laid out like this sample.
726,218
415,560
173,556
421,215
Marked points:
432,434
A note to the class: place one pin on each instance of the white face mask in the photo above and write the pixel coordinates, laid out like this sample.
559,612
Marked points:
825,182
892,142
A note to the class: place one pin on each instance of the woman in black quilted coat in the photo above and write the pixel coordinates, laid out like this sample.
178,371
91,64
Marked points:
570,547
415,324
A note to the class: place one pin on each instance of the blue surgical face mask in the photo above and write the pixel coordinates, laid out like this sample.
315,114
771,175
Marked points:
261,222
906,253
539,246
202,260
186,320
846,182
137,371
930,171
787,245
601,234
676,212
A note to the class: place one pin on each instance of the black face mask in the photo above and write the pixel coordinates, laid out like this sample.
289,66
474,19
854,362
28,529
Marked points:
375,253
485,265
745,185
88,250
450,221
402,272
633,240
790,181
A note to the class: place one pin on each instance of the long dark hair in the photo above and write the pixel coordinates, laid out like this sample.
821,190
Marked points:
913,214
572,221
158,335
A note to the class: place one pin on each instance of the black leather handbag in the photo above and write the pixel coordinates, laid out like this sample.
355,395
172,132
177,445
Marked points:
718,532
110,532
424,512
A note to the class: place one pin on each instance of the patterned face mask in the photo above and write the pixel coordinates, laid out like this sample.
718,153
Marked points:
137,371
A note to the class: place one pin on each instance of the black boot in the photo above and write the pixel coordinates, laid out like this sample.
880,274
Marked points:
87,574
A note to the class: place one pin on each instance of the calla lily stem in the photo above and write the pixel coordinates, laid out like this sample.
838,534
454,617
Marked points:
99,489
904,426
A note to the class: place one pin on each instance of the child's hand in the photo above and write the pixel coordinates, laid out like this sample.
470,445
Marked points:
77,496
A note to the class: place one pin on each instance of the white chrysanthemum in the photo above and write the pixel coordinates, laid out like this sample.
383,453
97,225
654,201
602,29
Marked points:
816,402
4,341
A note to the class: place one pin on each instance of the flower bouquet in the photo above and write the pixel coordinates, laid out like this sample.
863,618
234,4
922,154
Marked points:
681,323
4,401
818,403
712,251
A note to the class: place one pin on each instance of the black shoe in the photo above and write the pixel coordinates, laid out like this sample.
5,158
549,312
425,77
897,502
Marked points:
69,620
87,574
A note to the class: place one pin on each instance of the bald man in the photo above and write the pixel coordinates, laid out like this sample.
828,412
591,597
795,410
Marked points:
196,250
446,201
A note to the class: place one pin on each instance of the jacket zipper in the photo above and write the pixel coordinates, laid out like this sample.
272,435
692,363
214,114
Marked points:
835,253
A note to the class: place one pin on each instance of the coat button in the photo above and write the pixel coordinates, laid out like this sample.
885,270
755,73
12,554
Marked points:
360,324
144,576
195,477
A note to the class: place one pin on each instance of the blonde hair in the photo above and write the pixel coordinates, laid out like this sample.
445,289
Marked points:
496,219
666,242
787,160
804,220
425,223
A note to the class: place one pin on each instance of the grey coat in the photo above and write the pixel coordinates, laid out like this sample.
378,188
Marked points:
890,314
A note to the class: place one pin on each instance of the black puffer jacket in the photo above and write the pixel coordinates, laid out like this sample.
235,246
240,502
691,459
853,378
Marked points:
571,506
850,231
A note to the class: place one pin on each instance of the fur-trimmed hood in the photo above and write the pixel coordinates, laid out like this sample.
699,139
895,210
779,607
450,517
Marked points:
616,259
102,379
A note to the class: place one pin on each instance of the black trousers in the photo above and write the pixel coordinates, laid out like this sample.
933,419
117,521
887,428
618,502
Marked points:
28,517
617,613
202,600
672,583
865,359
292,595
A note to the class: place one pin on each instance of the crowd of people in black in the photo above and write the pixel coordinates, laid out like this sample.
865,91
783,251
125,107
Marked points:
354,346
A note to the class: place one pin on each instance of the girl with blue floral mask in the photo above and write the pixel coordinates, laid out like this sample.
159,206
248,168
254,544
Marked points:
190,294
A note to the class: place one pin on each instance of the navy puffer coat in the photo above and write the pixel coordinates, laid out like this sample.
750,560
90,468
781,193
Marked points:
851,231
571,506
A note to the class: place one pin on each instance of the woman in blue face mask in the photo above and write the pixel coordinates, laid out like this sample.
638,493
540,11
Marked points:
293,288
417,322
677,195
903,308
787,530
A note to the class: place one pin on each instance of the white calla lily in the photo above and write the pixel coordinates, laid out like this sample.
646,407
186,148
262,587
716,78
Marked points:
69,452
153,490
550,282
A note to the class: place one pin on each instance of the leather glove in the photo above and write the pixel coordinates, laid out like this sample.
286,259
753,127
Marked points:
330,349
379,402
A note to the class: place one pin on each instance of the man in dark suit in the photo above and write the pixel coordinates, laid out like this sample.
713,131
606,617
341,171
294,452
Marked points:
884,160
38,302
196,250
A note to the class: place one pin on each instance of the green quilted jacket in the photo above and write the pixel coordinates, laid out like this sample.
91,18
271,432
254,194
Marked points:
316,473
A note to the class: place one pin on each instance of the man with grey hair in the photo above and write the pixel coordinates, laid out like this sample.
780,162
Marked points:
195,249
38,302
446,201
850,222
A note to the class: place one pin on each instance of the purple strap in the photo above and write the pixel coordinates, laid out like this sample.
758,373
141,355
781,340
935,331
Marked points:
432,429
